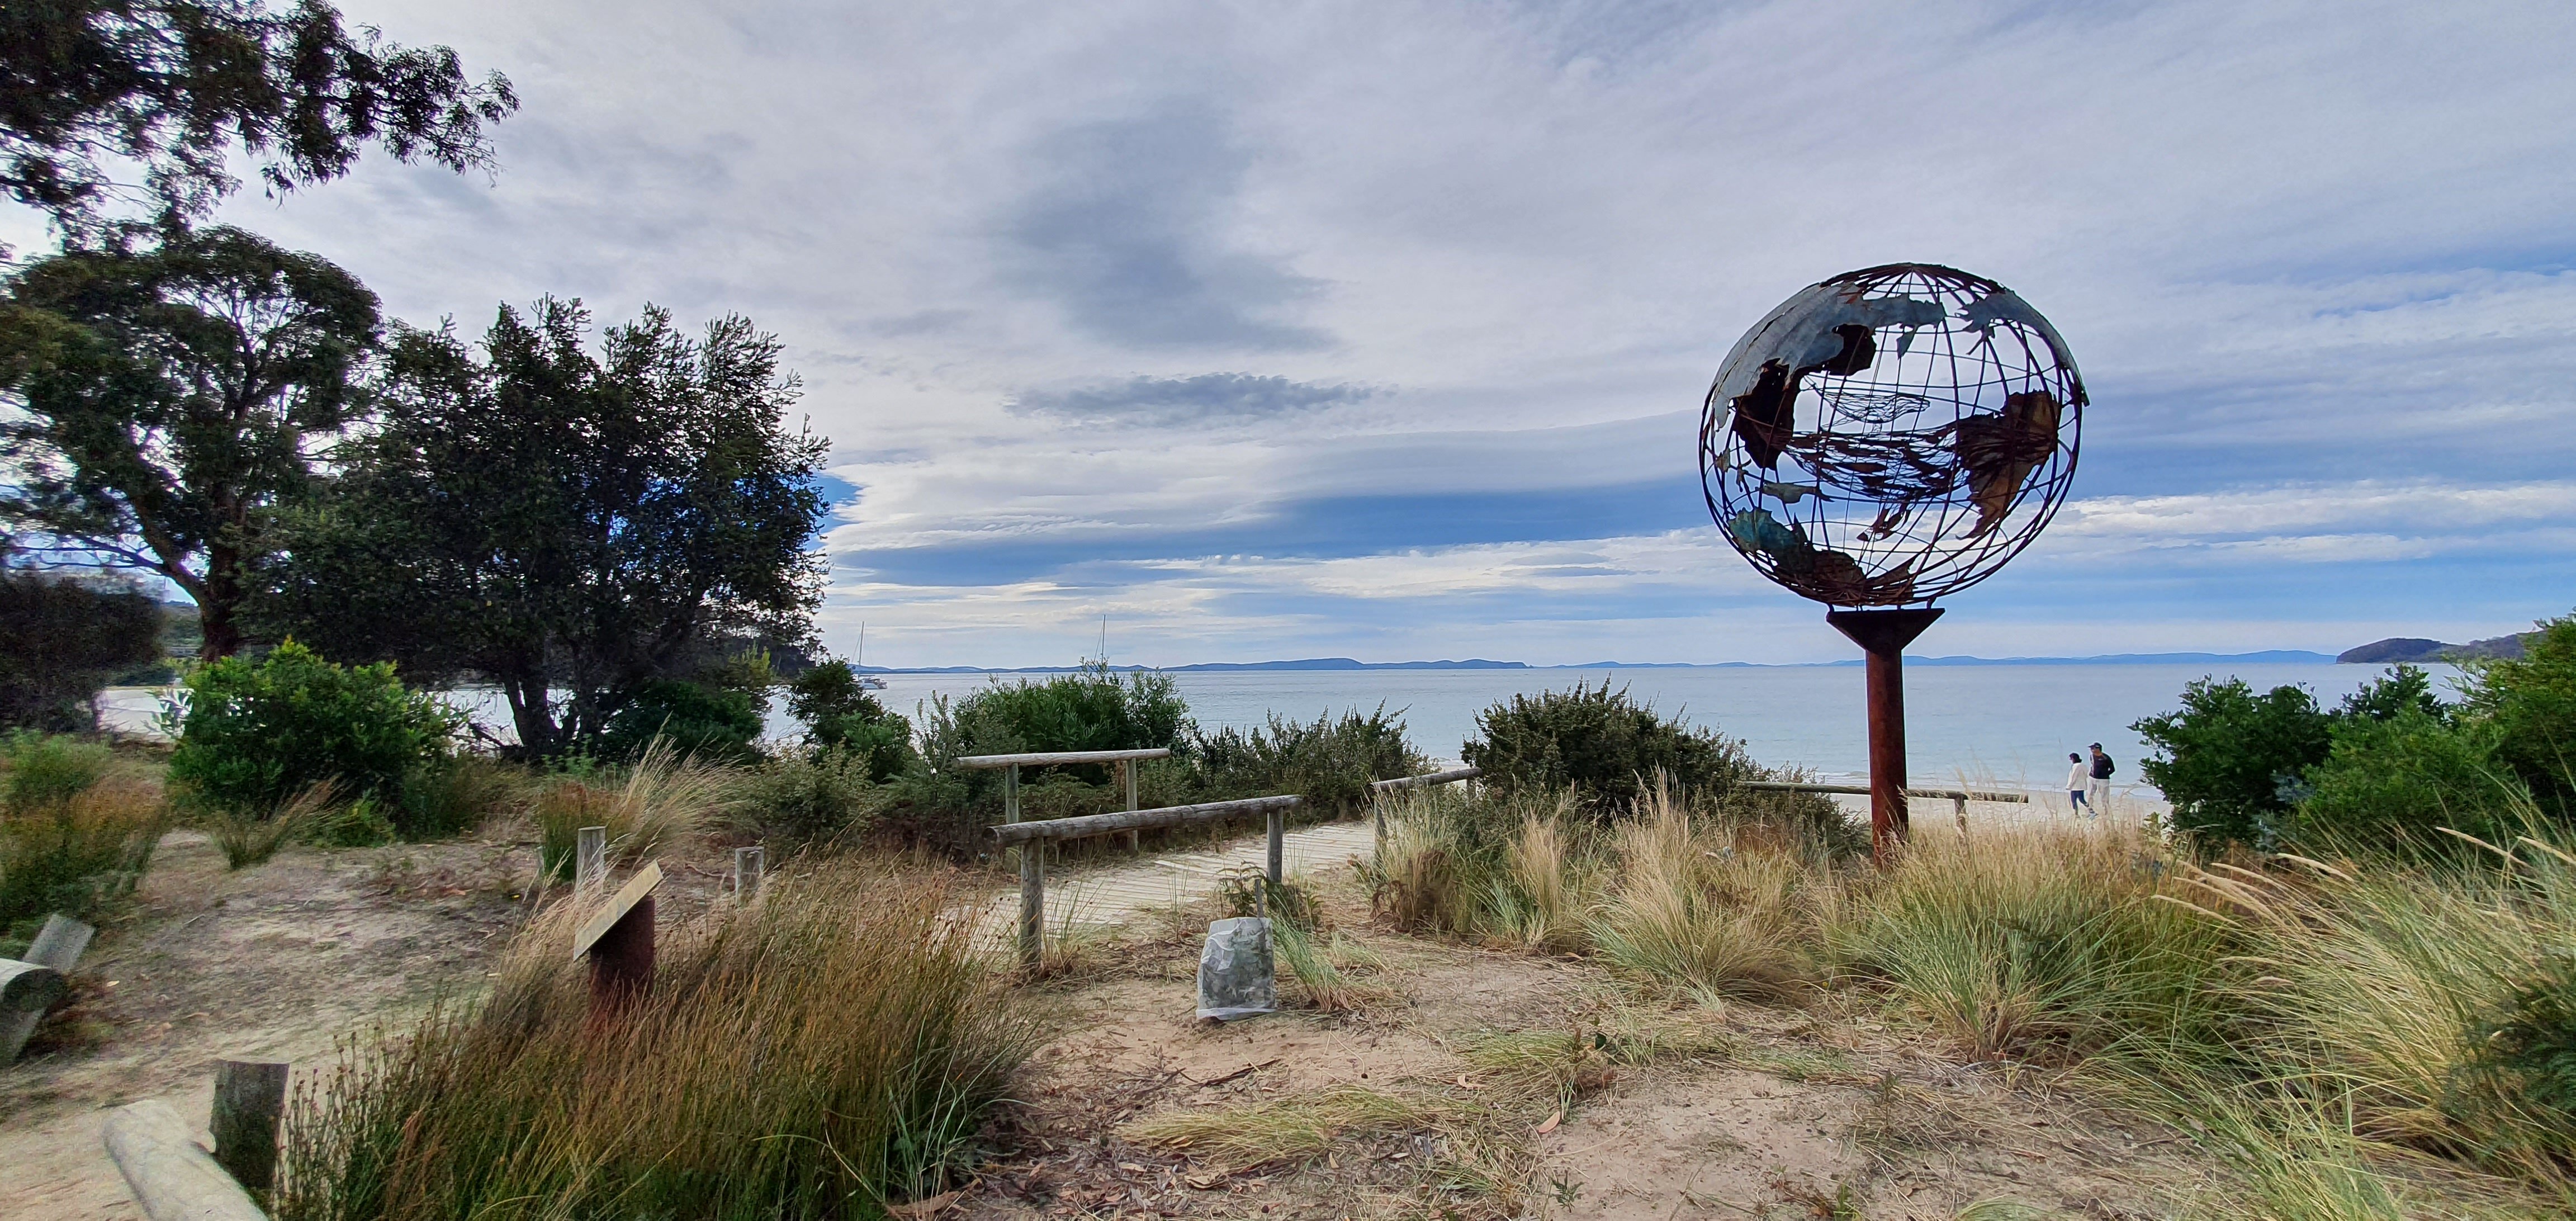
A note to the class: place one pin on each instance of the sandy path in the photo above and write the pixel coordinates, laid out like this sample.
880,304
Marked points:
1107,896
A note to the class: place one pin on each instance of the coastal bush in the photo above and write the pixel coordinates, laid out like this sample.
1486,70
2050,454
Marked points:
2234,764
454,795
2531,701
815,794
1602,745
840,714
2229,760
62,639
828,1052
2396,784
1091,709
252,734
47,770
1329,763
700,720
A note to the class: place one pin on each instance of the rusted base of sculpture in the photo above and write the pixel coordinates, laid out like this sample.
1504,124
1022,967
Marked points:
1882,636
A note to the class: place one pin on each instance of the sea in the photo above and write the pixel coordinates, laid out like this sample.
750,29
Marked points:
1998,725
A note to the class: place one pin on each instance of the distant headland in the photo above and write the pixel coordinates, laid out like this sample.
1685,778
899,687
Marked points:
2417,649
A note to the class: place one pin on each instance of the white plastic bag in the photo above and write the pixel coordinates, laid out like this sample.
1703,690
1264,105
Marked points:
1235,974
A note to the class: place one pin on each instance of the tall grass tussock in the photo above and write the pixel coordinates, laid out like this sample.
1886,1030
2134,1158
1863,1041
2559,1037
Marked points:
826,1051
75,833
662,797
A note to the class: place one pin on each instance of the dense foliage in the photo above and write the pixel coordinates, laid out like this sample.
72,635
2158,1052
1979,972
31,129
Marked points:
252,735
2531,703
841,715
92,90
2392,767
1600,744
169,400
1329,763
567,526
701,720
61,640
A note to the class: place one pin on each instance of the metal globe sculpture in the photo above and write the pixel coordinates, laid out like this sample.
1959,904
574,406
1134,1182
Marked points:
1891,435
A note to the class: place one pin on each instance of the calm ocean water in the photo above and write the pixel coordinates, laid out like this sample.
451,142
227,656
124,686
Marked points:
2009,725
2005,725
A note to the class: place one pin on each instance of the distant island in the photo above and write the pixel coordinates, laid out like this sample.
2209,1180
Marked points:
2271,657
2417,649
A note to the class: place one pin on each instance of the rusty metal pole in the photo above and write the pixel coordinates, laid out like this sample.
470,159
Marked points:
1882,636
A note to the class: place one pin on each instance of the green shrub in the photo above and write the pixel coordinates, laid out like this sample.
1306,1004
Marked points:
454,795
839,714
253,735
2532,702
1329,763
1601,744
812,795
2230,760
702,721
45,771
2395,783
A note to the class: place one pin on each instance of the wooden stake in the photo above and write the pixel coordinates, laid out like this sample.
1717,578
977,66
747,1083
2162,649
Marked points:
1032,902
1278,843
589,858
250,1099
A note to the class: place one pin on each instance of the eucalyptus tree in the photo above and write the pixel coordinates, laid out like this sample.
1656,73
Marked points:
566,525
168,89
159,406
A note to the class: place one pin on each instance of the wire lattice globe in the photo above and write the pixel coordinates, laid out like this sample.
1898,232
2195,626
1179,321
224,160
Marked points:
1891,435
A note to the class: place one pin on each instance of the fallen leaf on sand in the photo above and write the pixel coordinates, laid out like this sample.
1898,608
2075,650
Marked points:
1550,1125
1465,1084
925,1207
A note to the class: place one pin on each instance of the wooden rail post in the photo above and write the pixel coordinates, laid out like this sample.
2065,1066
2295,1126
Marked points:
589,858
27,990
57,948
1032,902
1959,814
250,1098
1127,773
747,866
618,941
1278,845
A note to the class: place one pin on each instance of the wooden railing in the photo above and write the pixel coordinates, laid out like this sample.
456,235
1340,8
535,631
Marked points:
1032,837
1959,798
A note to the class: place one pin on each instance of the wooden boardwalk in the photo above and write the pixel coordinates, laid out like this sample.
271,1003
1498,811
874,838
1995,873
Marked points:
1101,896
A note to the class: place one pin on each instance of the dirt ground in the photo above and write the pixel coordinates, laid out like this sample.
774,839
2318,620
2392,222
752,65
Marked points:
1769,1113
1779,1114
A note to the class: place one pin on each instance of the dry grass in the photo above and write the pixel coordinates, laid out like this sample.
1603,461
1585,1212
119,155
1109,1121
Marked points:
1691,911
827,1051
247,840
79,852
664,797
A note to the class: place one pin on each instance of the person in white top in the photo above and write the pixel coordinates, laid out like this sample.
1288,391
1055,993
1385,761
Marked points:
2078,778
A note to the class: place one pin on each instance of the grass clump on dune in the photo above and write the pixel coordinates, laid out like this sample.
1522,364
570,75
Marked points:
825,1052
659,799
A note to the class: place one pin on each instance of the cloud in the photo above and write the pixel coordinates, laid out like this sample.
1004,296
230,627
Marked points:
1173,401
1084,296
1130,230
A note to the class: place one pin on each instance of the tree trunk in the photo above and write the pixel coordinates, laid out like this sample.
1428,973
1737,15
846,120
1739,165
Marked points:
529,714
218,602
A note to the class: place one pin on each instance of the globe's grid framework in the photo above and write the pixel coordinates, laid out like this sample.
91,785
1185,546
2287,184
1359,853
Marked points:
1911,453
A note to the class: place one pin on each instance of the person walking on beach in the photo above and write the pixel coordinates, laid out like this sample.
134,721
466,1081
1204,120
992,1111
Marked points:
2102,766
2078,778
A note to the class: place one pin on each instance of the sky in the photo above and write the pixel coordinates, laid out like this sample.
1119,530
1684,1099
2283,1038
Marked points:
1380,329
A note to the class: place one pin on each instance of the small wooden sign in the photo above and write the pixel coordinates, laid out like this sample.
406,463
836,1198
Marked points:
615,909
